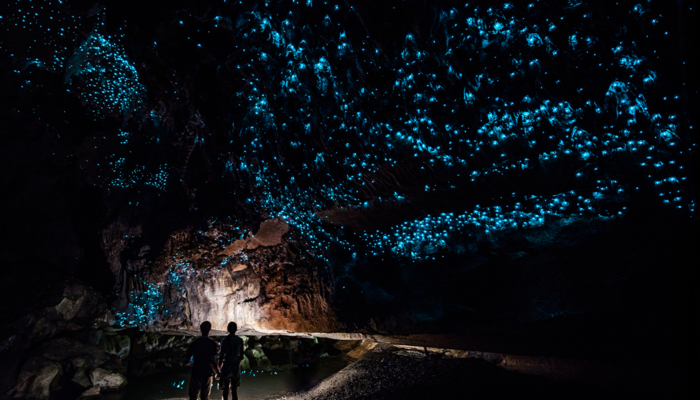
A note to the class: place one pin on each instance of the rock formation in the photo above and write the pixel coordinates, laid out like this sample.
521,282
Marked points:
54,350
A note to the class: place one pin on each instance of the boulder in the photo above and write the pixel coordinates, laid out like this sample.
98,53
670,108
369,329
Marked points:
81,376
68,308
79,306
55,344
43,329
10,368
106,380
91,394
116,345
245,364
88,336
63,349
36,379
255,352
256,358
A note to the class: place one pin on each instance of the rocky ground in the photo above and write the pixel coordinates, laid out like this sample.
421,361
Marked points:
392,373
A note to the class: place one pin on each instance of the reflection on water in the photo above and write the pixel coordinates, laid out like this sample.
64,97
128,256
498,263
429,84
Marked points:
255,384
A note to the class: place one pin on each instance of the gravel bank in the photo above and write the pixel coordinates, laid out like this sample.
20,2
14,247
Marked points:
392,373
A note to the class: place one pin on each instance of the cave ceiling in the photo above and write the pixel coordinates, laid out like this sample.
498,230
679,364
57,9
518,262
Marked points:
376,141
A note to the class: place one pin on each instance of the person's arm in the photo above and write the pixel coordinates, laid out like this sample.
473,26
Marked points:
216,371
214,366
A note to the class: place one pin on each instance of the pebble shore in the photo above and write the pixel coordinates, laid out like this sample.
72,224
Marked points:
388,372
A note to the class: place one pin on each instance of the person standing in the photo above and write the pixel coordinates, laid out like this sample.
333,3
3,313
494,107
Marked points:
203,353
230,362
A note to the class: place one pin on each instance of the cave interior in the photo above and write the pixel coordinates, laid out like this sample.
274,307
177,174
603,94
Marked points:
508,181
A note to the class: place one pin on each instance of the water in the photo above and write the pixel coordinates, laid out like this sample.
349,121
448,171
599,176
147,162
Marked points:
173,384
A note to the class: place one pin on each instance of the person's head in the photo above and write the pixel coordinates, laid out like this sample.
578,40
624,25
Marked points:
205,327
232,327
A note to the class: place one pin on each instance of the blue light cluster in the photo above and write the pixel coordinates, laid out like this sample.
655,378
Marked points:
324,117
101,74
144,308
127,179
179,384
365,129
98,70
39,32
253,373
145,302
420,239
302,218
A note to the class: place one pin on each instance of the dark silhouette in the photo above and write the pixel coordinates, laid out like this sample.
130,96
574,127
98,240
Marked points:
203,352
230,362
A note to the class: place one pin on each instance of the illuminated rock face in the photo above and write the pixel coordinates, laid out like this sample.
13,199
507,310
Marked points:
208,276
220,298
290,300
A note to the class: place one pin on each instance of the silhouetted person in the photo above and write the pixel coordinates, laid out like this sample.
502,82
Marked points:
203,351
230,362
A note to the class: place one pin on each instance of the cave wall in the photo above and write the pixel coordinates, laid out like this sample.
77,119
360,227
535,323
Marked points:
260,281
